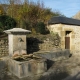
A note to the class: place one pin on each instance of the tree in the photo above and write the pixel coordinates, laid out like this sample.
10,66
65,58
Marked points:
28,14
6,22
2,10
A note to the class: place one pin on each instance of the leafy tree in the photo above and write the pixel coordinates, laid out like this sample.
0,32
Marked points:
6,22
2,10
10,22
28,14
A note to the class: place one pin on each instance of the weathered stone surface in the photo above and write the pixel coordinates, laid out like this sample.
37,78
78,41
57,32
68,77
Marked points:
3,69
19,52
3,47
54,55
59,70
17,40
74,35
27,68
16,30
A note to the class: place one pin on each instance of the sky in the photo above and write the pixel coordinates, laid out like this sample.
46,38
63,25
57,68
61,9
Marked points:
67,7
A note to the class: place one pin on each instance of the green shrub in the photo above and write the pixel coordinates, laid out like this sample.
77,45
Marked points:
6,22
41,28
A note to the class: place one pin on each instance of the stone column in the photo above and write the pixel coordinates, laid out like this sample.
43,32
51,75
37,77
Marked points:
17,41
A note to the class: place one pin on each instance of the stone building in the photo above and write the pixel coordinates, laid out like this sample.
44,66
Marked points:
69,31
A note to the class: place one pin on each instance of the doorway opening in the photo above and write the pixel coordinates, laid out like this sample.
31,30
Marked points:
67,39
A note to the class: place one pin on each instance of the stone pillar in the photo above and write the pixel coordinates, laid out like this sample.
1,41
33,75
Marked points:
17,41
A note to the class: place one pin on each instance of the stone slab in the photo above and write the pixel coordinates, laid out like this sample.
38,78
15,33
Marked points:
54,55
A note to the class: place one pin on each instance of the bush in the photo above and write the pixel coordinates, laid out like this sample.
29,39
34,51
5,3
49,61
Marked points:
41,28
6,22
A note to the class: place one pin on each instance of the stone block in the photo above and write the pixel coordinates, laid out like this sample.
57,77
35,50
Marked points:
73,47
59,28
62,33
73,36
23,69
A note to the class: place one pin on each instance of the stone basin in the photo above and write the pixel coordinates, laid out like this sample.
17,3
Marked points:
23,69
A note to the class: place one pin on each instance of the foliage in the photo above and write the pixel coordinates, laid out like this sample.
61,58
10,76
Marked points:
10,22
1,10
41,28
28,14
6,22
33,31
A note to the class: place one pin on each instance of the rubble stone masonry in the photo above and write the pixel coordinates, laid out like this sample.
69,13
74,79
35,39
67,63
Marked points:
3,47
74,34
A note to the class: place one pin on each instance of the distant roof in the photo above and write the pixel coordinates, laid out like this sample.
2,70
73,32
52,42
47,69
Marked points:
77,15
63,20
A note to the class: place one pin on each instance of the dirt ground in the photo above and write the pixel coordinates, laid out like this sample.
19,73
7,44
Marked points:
68,69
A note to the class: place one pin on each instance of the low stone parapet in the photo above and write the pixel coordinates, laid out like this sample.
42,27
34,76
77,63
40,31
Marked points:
54,55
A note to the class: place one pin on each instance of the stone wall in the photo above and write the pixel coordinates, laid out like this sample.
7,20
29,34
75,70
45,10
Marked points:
36,45
3,47
33,45
74,34
47,45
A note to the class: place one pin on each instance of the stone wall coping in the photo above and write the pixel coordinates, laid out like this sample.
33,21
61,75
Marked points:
16,30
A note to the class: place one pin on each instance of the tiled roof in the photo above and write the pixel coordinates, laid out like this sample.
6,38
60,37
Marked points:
63,20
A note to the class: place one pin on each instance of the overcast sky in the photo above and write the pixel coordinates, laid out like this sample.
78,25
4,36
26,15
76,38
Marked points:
67,7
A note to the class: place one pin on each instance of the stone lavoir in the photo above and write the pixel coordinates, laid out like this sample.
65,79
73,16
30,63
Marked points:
20,63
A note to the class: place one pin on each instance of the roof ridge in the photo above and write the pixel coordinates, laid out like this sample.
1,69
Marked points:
64,20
